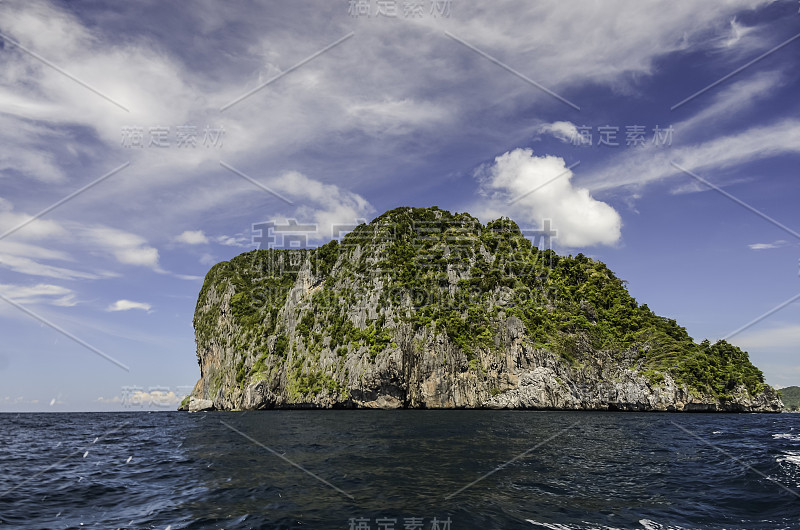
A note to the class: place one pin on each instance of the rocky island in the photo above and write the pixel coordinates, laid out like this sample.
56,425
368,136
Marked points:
423,308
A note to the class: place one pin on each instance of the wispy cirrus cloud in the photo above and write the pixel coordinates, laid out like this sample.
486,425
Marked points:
125,247
31,267
650,165
42,293
766,246
26,250
708,140
565,131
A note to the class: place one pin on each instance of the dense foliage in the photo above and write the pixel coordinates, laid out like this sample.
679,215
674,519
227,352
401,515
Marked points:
446,272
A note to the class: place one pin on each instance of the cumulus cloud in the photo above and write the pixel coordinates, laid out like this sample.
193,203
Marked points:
192,237
532,188
127,305
563,130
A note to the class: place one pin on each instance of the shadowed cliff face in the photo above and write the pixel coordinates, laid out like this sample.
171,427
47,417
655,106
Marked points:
422,308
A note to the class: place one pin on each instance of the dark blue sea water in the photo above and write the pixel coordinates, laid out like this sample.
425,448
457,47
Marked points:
399,470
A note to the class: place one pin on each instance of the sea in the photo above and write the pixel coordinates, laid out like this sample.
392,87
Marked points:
399,470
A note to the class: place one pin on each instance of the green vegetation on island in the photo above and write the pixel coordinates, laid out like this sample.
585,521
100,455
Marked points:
429,269
790,396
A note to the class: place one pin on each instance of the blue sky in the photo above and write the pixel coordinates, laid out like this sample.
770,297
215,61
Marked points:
465,105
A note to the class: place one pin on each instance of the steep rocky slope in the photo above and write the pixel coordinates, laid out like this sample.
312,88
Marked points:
422,308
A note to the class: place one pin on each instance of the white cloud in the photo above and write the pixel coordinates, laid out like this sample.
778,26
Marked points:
127,305
127,248
151,86
192,237
14,248
144,398
394,117
34,229
189,277
786,336
565,131
24,265
145,256
233,241
620,38
19,400
764,246
649,165
325,205
42,293
736,33
32,162
26,258
579,219
208,259
387,90
729,100
761,246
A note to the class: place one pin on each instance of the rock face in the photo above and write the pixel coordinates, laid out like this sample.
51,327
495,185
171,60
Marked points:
199,405
426,309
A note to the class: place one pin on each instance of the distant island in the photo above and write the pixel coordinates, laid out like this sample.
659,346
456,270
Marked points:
423,308
790,396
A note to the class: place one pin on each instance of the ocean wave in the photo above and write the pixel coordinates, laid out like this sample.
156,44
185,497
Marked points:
790,456
646,524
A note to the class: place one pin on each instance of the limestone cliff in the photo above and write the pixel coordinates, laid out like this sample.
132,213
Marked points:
422,308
